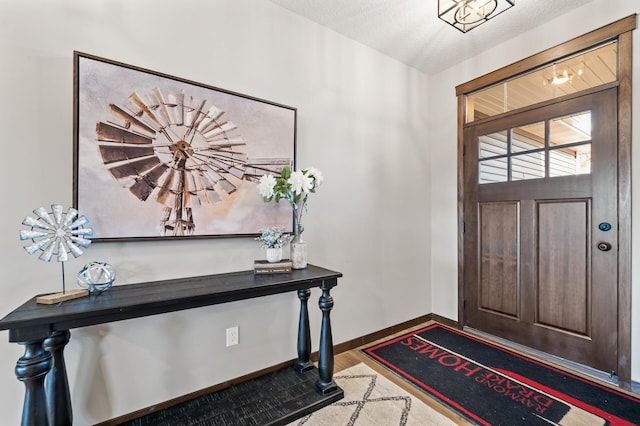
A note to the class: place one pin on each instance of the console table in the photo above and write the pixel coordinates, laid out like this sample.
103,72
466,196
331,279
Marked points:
44,329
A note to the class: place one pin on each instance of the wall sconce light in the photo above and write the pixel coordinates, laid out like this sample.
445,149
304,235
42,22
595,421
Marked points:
465,15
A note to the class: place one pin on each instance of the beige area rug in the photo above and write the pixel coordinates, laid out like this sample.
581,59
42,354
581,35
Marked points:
371,400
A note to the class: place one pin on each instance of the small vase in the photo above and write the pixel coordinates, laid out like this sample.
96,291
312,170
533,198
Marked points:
274,254
298,249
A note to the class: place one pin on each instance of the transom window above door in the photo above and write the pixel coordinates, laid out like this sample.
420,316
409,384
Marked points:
558,146
582,71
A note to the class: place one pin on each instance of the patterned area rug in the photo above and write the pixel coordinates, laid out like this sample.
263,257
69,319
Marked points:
372,400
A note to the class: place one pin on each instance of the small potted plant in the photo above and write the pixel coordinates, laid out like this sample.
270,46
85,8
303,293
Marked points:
273,239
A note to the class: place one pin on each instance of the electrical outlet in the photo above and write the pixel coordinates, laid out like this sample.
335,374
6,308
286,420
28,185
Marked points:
232,336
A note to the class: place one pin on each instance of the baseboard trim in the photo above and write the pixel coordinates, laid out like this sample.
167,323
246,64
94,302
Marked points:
339,348
445,321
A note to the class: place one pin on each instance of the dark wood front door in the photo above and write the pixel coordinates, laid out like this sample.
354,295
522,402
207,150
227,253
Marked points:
540,219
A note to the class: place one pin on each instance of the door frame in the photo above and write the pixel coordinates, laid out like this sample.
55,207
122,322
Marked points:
620,30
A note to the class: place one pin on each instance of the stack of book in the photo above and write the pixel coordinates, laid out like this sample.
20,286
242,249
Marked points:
264,267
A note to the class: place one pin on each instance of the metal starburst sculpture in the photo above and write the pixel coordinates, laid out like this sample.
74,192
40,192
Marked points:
56,234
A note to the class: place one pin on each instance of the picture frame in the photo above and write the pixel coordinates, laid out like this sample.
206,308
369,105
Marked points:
162,157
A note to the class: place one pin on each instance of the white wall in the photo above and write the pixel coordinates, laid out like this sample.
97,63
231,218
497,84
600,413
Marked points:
362,120
443,155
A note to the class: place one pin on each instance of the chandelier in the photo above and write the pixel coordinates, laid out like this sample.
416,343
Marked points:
468,14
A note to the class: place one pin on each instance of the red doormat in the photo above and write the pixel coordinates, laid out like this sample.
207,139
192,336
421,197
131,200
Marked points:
490,385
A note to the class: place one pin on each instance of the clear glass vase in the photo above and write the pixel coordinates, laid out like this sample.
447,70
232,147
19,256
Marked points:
298,248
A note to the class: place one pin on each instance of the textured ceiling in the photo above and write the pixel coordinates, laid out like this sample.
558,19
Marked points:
410,31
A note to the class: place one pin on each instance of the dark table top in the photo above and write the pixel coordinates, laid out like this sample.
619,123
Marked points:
34,321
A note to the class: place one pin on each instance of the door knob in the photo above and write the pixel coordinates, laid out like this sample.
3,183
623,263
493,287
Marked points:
604,246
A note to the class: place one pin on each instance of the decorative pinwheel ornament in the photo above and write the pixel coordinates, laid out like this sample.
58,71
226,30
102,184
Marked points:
56,233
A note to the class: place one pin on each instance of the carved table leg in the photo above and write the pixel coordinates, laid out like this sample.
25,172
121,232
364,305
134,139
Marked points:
31,369
325,384
57,383
304,334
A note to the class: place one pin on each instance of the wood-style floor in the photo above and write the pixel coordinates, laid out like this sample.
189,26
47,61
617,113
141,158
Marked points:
350,358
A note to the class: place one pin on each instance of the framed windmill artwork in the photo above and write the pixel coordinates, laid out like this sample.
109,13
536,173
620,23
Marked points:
157,156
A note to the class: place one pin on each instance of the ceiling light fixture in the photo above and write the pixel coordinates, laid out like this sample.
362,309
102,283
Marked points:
468,14
563,77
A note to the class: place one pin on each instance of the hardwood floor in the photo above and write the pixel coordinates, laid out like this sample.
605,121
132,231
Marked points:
352,357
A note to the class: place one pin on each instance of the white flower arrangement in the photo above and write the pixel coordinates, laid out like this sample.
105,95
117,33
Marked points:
294,187
273,238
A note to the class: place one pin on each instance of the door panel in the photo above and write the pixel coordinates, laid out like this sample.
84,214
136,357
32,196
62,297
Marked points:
499,258
563,269
533,272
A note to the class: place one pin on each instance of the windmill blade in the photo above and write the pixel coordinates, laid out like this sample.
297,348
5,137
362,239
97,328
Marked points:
114,154
82,242
203,188
165,189
177,102
37,245
198,116
221,143
129,119
62,252
168,118
146,184
56,210
227,186
220,164
35,223
109,133
232,157
86,232
42,214
210,133
255,168
207,192
210,119
146,109
71,215
31,235
235,171
47,254
81,221
74,249
133,168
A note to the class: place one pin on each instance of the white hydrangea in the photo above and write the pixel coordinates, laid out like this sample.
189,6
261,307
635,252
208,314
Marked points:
317,176
266,185
300,183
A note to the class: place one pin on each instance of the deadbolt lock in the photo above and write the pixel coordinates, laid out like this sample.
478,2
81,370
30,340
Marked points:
604,246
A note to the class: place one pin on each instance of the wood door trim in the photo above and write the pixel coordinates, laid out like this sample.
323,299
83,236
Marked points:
624,209
622,29
461,225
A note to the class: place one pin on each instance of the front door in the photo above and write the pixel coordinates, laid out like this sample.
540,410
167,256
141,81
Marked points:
540,230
